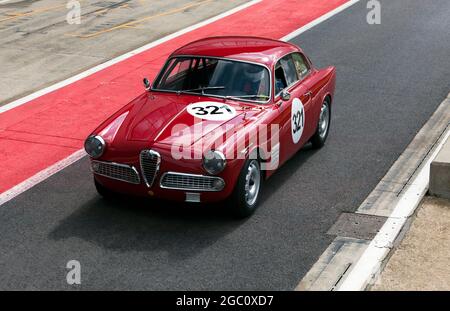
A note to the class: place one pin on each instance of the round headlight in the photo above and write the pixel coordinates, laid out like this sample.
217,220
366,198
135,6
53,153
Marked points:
95,146
214,162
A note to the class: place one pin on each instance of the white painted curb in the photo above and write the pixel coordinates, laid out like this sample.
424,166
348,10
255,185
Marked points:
369,264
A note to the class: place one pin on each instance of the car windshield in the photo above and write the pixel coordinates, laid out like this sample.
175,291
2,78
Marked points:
215,77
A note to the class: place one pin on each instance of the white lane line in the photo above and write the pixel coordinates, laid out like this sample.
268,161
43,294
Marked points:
46,173
41,176
319,20
120,58
370,262
4,1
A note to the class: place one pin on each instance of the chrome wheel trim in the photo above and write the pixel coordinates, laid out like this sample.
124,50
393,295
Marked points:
252,183
324,120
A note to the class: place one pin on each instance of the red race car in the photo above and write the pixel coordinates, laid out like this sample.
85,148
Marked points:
221,116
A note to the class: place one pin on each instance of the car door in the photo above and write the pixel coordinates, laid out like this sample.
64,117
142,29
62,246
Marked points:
307,77
293,113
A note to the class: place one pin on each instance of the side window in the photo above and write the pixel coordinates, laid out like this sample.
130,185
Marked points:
280,79
301,65
285,73
289,69
180,70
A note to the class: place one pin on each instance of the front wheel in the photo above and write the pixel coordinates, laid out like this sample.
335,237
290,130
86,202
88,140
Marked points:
245,197
323,126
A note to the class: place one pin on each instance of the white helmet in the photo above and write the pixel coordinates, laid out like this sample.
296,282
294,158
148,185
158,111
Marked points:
253,73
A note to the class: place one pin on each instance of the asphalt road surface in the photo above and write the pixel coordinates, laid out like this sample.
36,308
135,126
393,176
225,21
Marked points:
391,78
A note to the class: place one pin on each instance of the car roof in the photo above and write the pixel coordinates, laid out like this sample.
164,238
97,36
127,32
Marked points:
252,49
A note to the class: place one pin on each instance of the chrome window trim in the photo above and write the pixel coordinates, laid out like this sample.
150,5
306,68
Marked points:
158,77
121,165
190,175
289,87
158,163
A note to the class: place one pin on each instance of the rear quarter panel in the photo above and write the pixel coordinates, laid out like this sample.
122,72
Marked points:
324,85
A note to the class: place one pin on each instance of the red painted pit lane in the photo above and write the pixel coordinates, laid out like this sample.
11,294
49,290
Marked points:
51,127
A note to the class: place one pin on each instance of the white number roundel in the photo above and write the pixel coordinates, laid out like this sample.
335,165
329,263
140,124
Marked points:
297,120
211,111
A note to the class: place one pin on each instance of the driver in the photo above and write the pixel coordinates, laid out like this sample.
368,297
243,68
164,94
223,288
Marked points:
252,77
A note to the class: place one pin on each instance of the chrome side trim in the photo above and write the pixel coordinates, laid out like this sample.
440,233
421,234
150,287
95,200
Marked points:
210,178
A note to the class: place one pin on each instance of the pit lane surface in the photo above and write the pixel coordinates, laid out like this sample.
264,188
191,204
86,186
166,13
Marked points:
391,77
77,105
39,47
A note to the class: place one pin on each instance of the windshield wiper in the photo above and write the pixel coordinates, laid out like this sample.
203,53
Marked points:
202,89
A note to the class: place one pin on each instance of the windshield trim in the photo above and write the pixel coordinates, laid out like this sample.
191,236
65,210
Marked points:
164,68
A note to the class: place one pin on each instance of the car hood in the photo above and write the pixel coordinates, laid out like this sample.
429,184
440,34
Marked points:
163,118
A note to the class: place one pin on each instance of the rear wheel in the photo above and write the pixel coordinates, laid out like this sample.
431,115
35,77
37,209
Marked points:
245,197
323,126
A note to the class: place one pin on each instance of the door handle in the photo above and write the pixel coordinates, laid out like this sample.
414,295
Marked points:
309,93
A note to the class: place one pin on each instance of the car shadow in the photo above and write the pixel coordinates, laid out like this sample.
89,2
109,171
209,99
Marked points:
147,225
134,224
284,173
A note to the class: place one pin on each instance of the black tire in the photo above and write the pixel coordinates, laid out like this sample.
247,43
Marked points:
318,139
240,207
104,192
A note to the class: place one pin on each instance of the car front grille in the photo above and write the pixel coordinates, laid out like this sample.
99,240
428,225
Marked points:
180,181
116,171
150,161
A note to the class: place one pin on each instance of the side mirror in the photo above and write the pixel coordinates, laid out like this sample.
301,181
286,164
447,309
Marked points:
147,84
285,95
